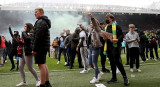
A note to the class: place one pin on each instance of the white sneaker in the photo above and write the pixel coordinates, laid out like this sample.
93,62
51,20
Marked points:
117,71
131,70
58,62
38,83
21,84
84,71
94,80
138,70
142,61
65,63
147,58
100,75
89,69
107,58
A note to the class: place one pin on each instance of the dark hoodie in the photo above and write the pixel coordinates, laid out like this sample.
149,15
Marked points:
15,38
75,38
143,40
42,34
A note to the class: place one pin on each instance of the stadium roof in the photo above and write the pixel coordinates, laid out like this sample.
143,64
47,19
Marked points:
122,6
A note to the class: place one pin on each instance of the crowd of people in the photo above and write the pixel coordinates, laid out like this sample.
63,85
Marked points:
86,43
134,43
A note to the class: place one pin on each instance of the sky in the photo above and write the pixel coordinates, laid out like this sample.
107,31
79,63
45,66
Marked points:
131,3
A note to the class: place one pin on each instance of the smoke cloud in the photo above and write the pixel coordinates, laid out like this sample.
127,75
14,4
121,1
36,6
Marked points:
17,19
60,21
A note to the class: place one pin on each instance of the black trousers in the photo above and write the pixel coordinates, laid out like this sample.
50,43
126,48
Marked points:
103,57
147,50
64,53
127,54
134,56
142,53
13,52
73,54
114,54
154,46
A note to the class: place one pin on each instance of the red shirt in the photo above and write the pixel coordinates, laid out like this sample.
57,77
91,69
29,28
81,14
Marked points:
2,43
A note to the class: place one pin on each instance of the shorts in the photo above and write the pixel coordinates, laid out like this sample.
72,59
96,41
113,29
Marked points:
1,52
40,58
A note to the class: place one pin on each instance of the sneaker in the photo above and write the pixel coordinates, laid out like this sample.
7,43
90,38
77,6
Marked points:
12,68
112,81
65,63
21,84
38,83
117,71
142,61
94,80
107,58
105,70
1,65
42,86
58,62
70,67
84,71
88,69
48,85
126,81
127,64
100,75
131,70
81,66
138,70
147,59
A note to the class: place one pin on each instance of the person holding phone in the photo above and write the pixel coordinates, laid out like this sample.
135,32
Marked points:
132,38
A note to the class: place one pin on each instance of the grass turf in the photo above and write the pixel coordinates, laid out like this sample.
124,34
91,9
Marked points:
60,76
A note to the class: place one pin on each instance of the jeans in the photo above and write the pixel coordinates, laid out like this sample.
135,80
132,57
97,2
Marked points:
103,57
69,54
64,53
56,51
93,59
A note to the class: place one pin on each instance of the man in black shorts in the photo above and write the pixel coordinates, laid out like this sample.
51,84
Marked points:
41,45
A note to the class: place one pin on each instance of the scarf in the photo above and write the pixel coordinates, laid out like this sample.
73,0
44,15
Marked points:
114,37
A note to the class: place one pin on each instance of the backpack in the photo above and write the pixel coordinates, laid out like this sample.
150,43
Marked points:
153,41
55,43
95,41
